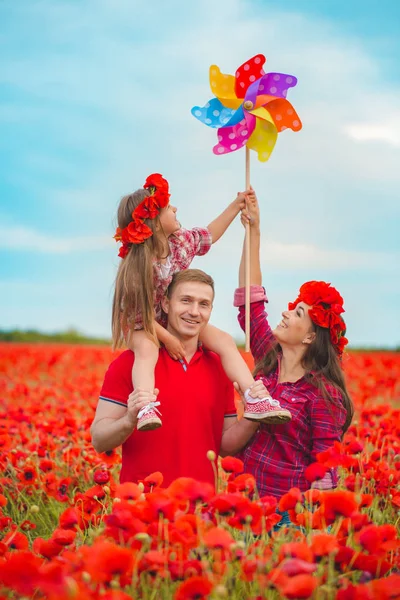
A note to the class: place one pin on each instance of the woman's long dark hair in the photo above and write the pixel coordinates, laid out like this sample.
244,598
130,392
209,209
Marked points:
321,364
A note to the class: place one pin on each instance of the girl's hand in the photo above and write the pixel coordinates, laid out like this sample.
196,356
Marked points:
174,347
240,201
251,213
258,390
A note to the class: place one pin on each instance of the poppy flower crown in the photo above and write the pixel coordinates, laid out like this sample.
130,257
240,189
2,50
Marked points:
136,232
327,307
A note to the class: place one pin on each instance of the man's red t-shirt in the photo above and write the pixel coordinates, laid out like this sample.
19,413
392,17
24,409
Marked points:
194,400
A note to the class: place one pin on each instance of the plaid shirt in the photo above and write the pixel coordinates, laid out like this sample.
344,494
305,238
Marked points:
278,455
184,245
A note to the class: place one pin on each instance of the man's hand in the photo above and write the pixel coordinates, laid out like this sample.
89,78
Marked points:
137,400
174,347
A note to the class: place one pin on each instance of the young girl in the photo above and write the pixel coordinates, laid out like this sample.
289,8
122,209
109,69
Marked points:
154,247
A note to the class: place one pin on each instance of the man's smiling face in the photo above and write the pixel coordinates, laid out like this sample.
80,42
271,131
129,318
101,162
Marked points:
189,308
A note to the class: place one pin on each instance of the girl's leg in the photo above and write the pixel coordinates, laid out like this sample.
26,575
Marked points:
146,356
235,367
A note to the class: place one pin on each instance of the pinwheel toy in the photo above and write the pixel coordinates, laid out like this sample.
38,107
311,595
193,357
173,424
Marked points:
249,110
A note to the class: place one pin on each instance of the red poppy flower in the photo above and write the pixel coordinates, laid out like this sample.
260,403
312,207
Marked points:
290,499
105,561
157,181
338,503
46,548
196,588
315,472
324,544
296,550
127,491
63,537
138,231
232,465
16,540
101,476
299,586
242,483
186,488
152,481
20,572
28,475
373,538
147,209
218,538
69,519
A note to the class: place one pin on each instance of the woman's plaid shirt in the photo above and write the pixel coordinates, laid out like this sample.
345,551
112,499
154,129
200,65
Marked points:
278,455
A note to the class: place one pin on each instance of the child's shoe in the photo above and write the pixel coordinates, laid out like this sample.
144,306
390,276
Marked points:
147,418
266,410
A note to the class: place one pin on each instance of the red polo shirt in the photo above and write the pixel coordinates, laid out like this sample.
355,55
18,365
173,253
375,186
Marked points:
194,399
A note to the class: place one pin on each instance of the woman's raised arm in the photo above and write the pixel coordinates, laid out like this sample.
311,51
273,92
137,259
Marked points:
261,337
251,215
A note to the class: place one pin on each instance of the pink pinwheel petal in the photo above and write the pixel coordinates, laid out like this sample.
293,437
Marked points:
247,73
235,137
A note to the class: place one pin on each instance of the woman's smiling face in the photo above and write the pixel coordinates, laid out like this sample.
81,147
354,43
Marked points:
296,326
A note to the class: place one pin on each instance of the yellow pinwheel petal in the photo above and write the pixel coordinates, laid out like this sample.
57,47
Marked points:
263,138
223,87
262,113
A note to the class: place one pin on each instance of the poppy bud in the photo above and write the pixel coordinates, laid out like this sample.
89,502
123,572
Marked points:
211,455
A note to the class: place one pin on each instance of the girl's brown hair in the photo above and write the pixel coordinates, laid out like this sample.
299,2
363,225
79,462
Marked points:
134,289
321,364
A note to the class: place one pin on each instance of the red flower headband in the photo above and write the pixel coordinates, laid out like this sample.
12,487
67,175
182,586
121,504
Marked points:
137,231
327,307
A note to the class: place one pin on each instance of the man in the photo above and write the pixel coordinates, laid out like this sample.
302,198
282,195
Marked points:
196,398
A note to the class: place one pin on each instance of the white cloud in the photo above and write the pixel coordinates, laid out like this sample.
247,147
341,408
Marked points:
23,238
373,132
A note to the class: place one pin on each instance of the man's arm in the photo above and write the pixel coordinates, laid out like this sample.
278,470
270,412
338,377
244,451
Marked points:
113,423
235,435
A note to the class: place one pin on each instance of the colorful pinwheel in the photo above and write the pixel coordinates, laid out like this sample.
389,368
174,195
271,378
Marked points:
249,109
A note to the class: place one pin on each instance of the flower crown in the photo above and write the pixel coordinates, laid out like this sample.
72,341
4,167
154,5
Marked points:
327,307
137,231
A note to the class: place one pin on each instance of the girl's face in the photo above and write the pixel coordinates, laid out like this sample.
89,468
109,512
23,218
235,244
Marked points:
168,220
296,327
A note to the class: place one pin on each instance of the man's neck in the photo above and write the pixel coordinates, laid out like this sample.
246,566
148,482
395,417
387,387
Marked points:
190,345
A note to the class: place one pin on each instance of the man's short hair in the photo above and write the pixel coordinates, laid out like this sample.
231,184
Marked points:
189,275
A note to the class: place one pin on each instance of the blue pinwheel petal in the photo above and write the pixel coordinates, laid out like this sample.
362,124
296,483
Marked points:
214,114
235,118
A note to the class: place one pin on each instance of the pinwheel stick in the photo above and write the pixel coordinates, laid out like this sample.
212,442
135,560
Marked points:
247,262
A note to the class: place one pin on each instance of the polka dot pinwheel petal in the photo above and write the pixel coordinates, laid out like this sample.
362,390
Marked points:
214,113
235,137
250,108
263,139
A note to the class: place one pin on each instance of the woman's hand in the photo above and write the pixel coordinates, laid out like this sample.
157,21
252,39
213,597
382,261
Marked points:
251,213
174,347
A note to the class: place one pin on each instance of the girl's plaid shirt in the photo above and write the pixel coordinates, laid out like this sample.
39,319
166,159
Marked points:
278,455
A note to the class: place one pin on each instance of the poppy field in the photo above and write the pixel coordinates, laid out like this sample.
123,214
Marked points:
69,530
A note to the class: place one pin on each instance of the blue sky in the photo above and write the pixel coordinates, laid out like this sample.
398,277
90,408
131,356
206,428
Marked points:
95,95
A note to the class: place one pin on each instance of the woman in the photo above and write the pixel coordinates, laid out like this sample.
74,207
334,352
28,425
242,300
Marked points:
300,364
